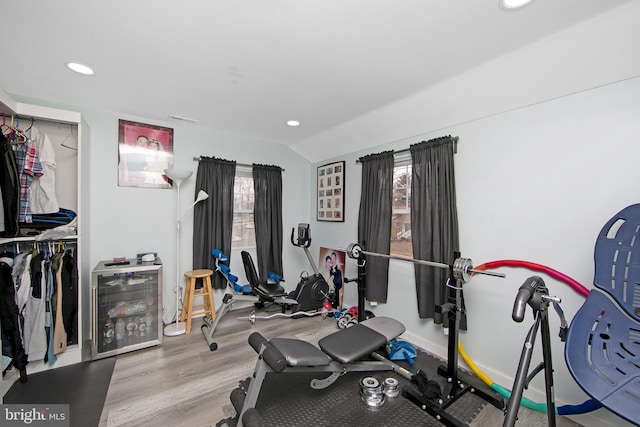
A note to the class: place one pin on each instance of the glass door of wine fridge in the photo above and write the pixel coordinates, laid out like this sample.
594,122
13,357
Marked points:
127,306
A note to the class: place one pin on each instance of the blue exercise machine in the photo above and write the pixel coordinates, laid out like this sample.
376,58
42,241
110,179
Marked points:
257,292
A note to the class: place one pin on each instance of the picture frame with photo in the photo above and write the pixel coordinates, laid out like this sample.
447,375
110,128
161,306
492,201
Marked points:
330,192
144,152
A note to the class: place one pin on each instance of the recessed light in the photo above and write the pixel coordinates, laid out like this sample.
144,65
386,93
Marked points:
293,123
513,4
80,68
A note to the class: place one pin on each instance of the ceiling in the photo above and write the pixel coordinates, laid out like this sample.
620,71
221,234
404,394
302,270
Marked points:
248,66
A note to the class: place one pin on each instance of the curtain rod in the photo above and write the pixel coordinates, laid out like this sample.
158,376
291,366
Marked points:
197,159
404,150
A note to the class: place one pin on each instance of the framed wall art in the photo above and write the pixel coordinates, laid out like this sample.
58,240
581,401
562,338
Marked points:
331,192
144,152
331,266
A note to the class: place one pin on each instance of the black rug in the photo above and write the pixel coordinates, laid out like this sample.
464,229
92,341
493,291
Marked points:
288,400
82,386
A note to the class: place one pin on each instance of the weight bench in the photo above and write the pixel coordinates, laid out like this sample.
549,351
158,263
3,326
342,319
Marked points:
339,353
603,343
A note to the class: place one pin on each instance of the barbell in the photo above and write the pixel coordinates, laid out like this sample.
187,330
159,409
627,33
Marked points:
462,267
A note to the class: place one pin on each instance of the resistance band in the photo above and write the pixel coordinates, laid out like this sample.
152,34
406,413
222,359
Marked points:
586,406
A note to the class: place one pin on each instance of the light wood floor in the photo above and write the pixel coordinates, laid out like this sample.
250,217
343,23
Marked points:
182,383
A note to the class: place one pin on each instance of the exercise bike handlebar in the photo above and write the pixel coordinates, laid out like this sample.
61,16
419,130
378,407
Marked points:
301,241
304,241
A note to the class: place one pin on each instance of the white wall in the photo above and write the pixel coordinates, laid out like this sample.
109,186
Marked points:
535,184
126,221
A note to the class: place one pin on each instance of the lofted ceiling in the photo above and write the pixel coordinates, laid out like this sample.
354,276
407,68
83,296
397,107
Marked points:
248,66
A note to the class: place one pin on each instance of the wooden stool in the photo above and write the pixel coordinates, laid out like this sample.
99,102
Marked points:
191,292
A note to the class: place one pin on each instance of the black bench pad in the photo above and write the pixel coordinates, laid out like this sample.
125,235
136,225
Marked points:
300,353
352,343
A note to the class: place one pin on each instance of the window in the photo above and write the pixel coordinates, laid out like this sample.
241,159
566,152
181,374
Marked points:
244,235
401,208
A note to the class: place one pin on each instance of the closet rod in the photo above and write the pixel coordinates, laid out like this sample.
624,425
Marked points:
29,119
404,150
197,159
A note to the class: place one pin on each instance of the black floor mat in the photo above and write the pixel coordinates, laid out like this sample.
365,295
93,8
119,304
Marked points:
288,400
83,386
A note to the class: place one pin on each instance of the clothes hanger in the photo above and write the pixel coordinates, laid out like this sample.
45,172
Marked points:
10,131
69,136
6,129
22,138
30,126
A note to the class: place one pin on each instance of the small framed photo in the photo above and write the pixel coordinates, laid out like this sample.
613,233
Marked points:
330,192
144,152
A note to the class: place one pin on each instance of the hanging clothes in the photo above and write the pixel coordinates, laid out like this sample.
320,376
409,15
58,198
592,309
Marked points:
22,280
70,297
29,167
35,337
60,333
10,186
12,345
50,356
42,197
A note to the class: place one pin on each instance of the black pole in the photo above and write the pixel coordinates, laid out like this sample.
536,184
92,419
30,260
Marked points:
548,368
534,293
521,376
453,291
362,286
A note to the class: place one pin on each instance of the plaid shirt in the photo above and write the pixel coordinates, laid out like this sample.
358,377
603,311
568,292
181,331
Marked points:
29,166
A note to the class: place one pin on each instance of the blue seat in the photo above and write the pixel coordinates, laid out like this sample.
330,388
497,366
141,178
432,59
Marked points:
603,343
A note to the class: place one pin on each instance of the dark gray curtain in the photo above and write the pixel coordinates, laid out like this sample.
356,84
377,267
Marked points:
213,218
374,220
267,217
434,221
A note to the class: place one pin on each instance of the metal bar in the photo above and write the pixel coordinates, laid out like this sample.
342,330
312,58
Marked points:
246,165
487,273
415,261
404,150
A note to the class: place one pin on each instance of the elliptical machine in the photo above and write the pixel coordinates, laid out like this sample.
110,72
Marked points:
312,290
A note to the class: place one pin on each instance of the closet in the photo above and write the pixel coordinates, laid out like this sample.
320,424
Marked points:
68,136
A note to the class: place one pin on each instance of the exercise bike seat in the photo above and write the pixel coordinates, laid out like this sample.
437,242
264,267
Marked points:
262,289
603,343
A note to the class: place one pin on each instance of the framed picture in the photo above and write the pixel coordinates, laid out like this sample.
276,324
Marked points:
331,192
331,265
144,152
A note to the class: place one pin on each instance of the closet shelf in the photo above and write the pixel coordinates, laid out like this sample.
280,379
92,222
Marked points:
9,240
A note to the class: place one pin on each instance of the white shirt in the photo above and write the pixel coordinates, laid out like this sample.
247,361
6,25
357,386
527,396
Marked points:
42,196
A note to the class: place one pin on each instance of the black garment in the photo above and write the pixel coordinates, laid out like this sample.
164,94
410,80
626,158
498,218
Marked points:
9,320
36,276
70,297
10,186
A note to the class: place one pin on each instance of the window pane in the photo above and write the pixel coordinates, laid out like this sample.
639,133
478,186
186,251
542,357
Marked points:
401,212
243,194
401,235
244,235
401,187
